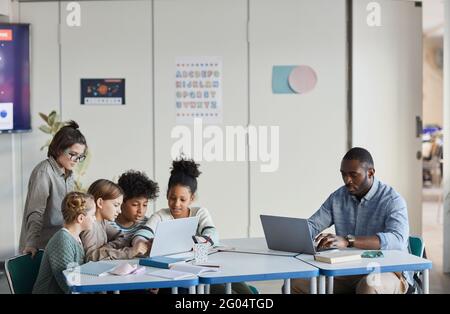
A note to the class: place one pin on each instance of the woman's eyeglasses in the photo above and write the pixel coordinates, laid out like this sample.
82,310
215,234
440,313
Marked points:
74,156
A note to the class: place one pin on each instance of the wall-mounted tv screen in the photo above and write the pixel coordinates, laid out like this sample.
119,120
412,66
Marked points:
15,113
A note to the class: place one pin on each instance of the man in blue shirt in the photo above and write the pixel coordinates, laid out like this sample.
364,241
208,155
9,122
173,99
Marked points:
366,214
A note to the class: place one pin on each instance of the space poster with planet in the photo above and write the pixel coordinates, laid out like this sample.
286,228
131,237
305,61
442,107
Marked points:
103,91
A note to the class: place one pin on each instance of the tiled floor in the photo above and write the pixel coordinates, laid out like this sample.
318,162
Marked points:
432,234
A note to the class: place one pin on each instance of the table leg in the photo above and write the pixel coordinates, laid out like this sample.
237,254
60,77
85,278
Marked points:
175,290
426,281
201,289
313,285
322,284
330,282
207,289
287,286
192,290
228,288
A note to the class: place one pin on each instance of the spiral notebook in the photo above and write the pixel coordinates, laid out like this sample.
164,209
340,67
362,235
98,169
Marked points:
96,268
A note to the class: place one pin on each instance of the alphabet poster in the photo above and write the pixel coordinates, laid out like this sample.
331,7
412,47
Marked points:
198,89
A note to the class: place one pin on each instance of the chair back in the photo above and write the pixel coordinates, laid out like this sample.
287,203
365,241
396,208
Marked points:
22,271
416,246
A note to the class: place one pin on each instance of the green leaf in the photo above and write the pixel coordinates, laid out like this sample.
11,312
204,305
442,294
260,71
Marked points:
51,118
58,125
45,129
44,117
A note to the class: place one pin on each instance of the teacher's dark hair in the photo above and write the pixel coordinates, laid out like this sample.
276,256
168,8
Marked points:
67,136
360,154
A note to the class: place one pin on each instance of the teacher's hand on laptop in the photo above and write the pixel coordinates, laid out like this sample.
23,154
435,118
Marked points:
326,241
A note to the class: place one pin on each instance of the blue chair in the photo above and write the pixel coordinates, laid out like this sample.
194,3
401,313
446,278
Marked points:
417,248
22,271
253,289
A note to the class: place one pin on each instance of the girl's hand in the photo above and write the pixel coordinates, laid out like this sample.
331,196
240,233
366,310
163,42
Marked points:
203,239
140,248
31,250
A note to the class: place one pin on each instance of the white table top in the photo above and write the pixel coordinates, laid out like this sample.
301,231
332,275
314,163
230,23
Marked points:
393,261
87,283
238,267
253,245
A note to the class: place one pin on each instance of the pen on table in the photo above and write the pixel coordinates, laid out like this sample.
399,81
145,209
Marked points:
208,265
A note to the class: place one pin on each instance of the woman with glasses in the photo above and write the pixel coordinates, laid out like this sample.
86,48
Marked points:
49,183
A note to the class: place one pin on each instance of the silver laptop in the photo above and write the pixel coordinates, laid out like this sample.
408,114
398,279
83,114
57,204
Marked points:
288,234
174,236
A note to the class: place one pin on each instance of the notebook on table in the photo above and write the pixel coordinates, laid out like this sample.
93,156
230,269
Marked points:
95,268
171,274
337,257
160,261
182,270
194,269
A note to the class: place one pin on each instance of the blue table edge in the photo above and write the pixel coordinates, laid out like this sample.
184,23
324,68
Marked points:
134,286
381,269
258,277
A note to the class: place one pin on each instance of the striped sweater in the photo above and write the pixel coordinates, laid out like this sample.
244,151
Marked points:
205,227
129,232
61,252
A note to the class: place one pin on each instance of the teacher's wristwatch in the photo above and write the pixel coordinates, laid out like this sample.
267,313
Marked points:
350,239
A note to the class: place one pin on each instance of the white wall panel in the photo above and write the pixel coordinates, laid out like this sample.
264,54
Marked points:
204,28
114,41
313,125
387,96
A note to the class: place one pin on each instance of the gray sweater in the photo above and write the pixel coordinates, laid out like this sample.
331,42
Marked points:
42,216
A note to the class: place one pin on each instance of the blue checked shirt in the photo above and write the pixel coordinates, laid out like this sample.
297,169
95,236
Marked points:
381,212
